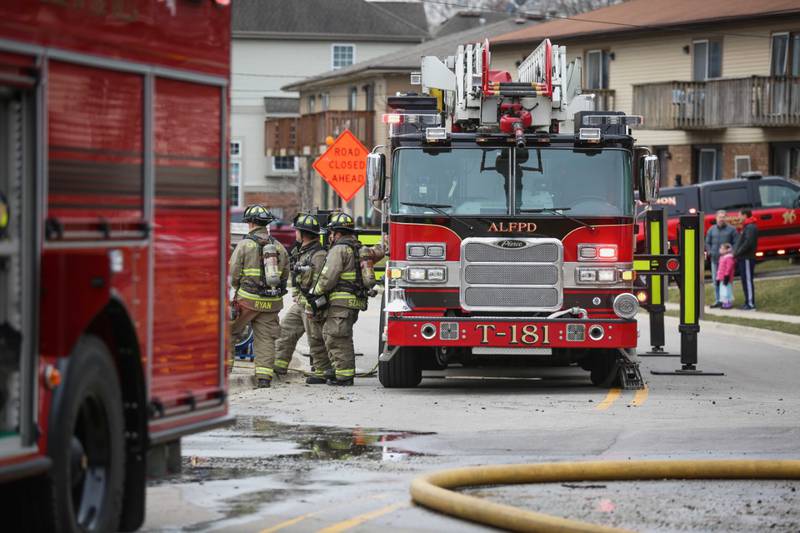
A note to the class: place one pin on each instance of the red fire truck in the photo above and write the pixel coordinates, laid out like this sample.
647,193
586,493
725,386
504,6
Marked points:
510,221
113,265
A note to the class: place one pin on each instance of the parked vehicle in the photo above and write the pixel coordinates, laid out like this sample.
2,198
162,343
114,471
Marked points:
775,202
113,271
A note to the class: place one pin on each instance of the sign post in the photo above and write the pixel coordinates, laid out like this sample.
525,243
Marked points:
344,165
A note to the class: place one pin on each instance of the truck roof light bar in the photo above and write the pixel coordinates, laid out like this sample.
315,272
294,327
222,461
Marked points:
590,135
600,120
392,118
436,134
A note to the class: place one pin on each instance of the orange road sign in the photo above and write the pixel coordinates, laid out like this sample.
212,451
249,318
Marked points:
344,165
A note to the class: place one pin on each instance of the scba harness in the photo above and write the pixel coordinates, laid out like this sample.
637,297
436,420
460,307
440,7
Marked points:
301,267
355,287
263,289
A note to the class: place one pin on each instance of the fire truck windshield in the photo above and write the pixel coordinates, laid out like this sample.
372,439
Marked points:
475,181
587,182
467,180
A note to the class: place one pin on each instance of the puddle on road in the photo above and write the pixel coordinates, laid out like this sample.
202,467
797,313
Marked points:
256,445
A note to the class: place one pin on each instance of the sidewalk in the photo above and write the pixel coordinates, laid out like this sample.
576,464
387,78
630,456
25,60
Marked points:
738,313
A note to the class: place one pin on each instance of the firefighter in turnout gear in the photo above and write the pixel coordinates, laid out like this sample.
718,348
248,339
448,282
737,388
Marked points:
340,291
259,269
306,264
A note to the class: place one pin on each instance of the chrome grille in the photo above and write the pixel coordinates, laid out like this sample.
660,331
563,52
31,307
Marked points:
496,277
478,252
511,274
509,297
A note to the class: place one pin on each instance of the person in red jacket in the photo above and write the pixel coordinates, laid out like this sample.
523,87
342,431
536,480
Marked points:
745,254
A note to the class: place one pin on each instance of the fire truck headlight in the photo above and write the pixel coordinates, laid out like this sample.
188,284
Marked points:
626,305
587,275
436,274
606,275
415,274
436,251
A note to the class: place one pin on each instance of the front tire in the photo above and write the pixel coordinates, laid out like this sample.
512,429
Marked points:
86,444
603,368
402,371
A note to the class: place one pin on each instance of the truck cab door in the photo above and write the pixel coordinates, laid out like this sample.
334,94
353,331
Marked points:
777,216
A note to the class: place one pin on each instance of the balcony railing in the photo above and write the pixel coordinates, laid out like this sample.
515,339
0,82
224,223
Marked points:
756,102
295,136
604,99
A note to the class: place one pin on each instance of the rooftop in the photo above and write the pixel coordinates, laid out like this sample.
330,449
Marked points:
642,15
355,20
408,59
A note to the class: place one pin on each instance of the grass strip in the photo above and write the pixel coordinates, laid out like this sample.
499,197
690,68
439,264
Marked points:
772,325
780,296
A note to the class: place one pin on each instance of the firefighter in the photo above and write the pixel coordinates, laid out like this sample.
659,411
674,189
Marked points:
259,269
309,257
339,294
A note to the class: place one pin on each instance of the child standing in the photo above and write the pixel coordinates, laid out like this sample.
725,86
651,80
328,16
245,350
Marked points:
725,275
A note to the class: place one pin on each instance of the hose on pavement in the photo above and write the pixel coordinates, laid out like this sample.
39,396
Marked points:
435,490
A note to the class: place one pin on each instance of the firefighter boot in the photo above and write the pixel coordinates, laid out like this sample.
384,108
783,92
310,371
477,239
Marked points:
341,382
263,383
316,380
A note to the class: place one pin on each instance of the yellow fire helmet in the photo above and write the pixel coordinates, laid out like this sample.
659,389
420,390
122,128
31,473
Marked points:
341,222
307,222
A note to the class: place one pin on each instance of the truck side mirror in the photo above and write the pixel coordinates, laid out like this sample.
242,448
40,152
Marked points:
649,178
376,176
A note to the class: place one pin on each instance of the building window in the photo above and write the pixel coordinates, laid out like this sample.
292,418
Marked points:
707,60
352,99
786,160
236,183
235,177
325,100
741,164
236,148
342,55
707,167
785,57
369,97
597,69
312,104
286,163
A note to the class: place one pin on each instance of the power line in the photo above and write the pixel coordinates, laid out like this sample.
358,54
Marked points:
615,23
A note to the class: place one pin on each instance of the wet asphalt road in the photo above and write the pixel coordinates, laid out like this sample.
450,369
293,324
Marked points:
304,458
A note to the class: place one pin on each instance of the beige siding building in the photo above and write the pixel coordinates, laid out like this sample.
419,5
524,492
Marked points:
716,81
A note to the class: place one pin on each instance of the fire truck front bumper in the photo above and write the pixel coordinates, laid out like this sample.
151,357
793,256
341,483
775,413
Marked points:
511,332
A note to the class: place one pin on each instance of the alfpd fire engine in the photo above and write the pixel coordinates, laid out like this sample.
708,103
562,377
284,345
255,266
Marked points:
510,221
113,265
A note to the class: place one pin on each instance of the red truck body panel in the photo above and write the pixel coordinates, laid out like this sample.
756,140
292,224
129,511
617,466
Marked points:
133,151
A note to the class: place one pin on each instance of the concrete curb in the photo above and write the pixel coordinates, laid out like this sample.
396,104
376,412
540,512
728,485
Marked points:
738,313
777,338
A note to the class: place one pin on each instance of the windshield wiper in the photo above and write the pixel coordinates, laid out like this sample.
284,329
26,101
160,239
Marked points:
557,211
439,208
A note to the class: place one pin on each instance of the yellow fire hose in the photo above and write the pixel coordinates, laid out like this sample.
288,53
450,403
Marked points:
435,490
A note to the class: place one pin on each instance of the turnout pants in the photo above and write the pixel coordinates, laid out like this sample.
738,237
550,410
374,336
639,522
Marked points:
316,344
746,271
292,328
337,332
266,330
